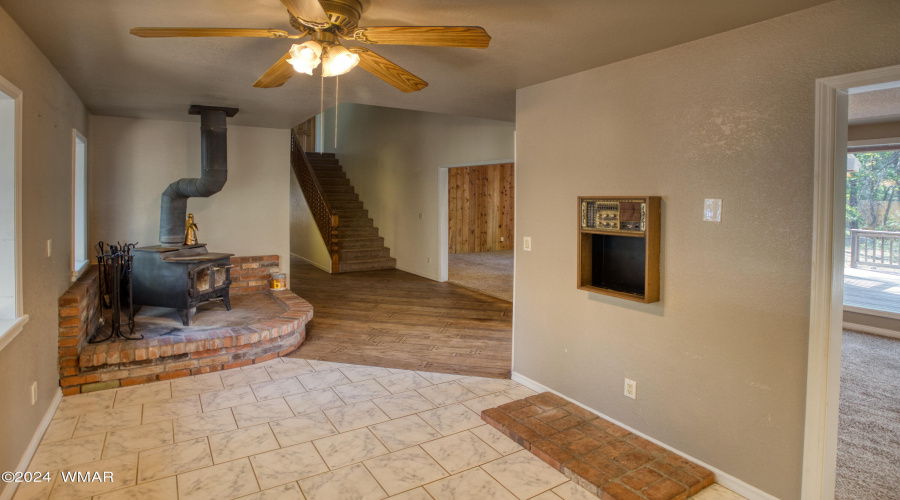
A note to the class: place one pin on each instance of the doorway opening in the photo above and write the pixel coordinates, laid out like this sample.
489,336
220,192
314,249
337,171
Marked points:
477,226
831,240
869,406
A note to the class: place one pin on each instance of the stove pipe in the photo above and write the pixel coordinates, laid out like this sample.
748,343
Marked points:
213,174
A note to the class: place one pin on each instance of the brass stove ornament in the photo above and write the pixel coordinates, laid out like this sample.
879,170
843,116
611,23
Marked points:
190,231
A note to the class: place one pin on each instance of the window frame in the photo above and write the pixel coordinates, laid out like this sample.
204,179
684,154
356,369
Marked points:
79,266
10,327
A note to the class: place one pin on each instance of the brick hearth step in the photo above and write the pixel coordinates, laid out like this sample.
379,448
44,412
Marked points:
603,458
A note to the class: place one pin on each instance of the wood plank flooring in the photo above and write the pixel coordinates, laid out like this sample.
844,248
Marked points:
394,319
871,289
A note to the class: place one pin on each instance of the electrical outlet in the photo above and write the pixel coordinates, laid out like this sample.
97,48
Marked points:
631,388
526,245
501,239
49,248
33,392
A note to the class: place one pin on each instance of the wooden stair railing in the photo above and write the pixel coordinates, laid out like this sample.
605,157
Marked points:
326,219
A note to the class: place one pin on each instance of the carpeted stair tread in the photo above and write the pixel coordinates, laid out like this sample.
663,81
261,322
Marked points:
357,232
359,246
337,189
351,243
331,174
355,222
367,265
357,254
333,181
340,196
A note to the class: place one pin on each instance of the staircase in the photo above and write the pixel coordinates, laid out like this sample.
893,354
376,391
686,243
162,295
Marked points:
355,244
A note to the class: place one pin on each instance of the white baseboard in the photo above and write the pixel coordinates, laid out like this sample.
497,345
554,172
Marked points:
884,332
10,489
314,264
727,480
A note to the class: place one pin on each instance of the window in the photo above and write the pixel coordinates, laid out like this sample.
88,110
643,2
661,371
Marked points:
79,204
11,310
872,239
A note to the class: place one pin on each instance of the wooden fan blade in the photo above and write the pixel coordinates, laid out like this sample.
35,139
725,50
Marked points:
195,32
437,36
307,10
277,75
388,71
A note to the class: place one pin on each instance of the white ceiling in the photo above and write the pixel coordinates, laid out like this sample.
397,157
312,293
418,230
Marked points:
534,41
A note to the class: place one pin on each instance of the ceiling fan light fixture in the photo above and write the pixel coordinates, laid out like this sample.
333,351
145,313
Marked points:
305,57
338,60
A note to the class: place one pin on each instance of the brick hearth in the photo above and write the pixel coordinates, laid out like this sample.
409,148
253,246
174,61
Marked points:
602,457
88,367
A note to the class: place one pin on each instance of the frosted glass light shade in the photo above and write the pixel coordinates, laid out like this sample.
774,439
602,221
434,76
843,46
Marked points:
306,56
338,60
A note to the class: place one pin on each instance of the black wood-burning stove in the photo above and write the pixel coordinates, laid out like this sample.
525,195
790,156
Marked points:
178,275
181,278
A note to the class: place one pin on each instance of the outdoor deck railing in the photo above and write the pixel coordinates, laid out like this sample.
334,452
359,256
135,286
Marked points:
875,248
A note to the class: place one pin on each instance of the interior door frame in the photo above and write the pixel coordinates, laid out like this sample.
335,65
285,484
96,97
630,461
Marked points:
826,297
444,210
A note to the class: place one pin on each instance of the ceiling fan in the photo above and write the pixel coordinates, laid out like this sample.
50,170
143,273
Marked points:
328,21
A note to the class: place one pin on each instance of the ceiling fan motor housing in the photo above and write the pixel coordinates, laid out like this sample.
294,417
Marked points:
344,14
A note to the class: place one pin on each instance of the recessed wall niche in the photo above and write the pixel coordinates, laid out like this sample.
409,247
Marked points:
618,246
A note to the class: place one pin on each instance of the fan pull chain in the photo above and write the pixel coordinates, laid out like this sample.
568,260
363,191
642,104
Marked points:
335,111
322,108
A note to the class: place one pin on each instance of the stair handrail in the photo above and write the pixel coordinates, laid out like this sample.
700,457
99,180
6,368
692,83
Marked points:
326,219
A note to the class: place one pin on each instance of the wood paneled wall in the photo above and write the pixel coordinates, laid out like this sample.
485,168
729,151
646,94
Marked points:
307,133
482,201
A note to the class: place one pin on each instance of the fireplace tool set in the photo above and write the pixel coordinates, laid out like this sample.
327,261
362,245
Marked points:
115,266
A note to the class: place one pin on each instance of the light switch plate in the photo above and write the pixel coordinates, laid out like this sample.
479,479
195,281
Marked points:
712,210
526,245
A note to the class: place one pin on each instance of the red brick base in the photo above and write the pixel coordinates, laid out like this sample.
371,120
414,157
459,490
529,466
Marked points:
108,365
598,455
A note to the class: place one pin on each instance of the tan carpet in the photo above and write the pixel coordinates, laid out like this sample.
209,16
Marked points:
490,273
869,430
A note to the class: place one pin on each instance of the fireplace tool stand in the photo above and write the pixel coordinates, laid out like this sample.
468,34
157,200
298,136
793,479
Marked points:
115,265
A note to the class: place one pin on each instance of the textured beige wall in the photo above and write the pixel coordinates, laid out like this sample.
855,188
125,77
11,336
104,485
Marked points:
50,111
306,241
134,160
392,157
720,361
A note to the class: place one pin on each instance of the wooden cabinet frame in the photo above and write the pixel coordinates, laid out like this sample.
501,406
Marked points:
588,237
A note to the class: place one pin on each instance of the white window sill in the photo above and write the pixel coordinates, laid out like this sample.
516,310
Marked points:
9,328
80,268
872,312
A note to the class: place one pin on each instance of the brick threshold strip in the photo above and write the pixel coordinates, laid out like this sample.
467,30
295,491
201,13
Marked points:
596,454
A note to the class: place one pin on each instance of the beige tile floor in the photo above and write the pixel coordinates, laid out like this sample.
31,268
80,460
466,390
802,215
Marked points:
297,429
